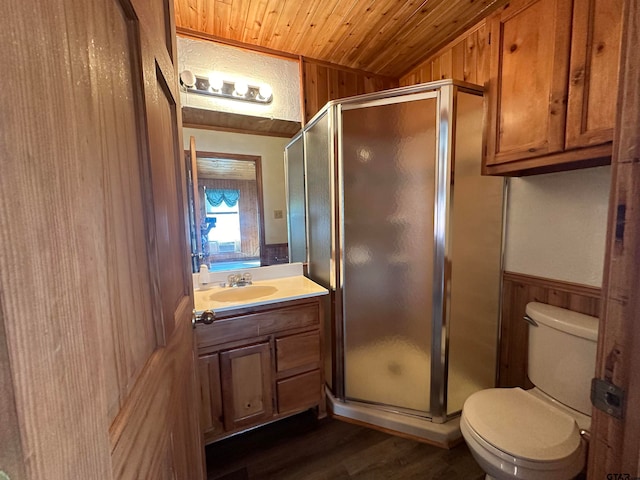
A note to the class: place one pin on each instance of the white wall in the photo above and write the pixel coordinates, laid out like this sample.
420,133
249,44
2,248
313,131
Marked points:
271,149
556,225
204,57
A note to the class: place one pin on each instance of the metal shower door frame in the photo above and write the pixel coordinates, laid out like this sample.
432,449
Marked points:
299,137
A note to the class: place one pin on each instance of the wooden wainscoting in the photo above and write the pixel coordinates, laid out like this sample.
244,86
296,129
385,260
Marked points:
518,290
274,253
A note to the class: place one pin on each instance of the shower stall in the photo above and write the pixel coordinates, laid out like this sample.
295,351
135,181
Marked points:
392,215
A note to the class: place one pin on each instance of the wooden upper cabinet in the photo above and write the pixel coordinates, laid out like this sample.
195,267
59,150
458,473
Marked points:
528,80
552,85
593,78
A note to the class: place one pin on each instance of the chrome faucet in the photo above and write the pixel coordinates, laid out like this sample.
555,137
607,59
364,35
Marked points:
239,280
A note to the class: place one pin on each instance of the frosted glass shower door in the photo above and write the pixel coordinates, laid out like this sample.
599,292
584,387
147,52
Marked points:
388,174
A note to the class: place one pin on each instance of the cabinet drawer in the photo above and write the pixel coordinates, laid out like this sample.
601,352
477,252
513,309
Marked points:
297,350
256,324
299,392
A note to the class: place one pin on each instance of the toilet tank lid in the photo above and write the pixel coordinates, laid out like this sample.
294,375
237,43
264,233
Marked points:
575,323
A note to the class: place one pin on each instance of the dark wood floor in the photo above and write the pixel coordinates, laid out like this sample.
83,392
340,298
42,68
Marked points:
303,448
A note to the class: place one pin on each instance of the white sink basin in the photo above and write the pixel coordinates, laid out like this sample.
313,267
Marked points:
239,294
263,292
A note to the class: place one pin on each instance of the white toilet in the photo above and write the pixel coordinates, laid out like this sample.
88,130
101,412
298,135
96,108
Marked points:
535,434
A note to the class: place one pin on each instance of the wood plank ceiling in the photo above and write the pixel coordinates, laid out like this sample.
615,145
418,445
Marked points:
225,168
386,37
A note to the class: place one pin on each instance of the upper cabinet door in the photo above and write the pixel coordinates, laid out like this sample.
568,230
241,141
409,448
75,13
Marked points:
528,80
593,80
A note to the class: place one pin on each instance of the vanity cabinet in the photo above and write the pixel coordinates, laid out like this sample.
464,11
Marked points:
260,364
552,85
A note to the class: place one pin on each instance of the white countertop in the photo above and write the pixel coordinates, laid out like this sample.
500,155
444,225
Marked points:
261,292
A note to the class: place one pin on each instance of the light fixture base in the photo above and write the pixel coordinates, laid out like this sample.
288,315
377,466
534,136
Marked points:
203,87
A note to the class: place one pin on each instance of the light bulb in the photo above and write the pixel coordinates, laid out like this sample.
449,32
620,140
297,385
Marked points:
215,81
241,87
188,79
266,91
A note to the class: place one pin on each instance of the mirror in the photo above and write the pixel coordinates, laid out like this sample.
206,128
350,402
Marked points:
237,199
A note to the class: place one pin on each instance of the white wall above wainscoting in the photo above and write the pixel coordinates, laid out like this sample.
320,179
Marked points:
557,223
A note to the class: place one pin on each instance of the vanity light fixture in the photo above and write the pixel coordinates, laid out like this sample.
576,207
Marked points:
216,86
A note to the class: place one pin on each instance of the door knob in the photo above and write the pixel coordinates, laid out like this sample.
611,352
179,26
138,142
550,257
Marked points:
207,317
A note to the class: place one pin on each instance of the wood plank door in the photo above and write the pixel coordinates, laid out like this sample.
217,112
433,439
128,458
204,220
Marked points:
614,451
96,344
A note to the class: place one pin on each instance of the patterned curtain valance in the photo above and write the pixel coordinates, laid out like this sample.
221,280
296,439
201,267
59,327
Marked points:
216,196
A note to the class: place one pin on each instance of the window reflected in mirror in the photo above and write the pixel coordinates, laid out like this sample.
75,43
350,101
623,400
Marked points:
222,221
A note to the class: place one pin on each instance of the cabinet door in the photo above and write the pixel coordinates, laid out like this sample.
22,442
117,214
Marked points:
593,79
210,395
528,80
246,385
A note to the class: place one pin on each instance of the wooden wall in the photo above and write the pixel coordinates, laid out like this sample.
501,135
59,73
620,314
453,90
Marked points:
322,82
274,253
517,291
466,58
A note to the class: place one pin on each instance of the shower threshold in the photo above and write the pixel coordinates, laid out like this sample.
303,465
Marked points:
445,435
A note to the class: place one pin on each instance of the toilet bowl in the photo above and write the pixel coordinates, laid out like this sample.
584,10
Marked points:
518,434
536,434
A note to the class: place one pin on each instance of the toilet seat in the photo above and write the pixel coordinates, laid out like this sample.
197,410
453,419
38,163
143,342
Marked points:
544,433
543,443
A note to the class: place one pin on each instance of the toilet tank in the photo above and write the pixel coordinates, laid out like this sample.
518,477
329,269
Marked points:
562,354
